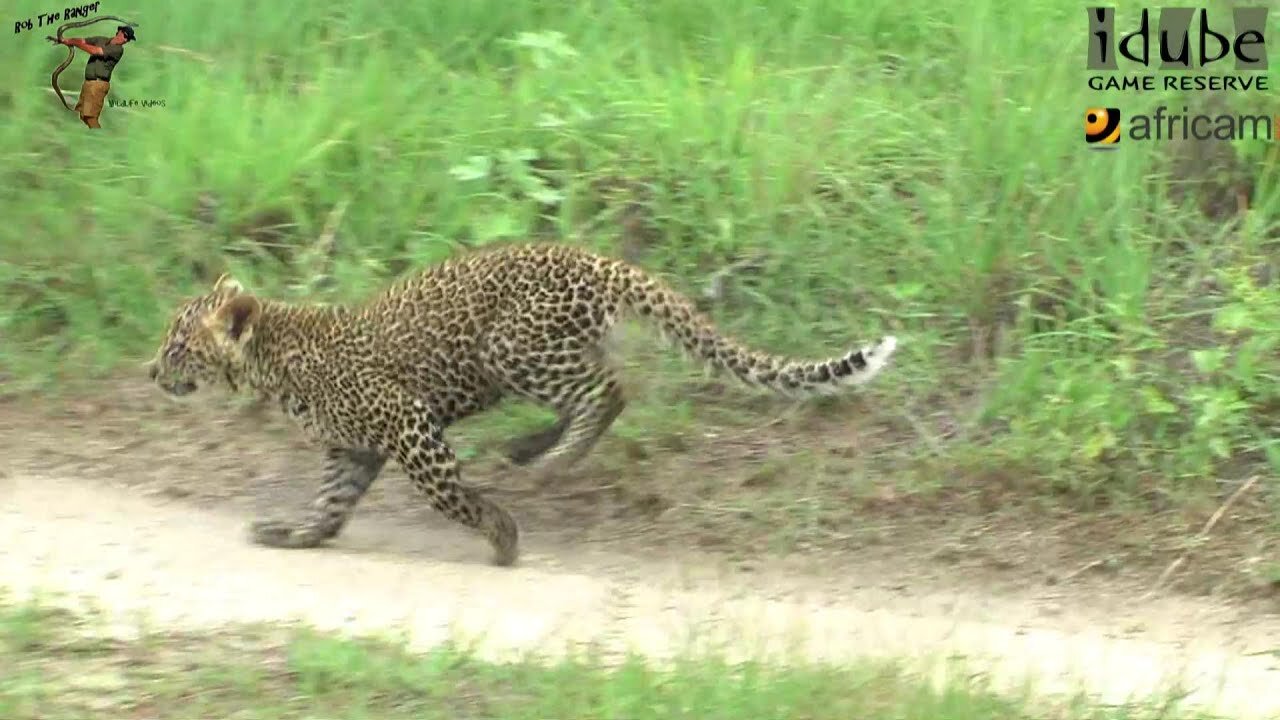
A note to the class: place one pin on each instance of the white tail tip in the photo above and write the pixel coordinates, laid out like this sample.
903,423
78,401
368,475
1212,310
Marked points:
877,357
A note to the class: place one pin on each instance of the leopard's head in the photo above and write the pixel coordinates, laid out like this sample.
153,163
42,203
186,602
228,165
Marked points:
206,341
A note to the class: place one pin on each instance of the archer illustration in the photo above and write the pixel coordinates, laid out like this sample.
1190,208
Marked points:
104,54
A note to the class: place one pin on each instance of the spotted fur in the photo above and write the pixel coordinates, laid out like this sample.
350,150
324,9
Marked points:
383,379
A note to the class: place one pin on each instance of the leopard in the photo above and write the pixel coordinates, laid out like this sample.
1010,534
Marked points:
384,378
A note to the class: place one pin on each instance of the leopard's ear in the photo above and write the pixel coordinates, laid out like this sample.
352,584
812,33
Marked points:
227,284
233,322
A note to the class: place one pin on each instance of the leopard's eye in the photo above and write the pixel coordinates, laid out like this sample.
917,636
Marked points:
175,352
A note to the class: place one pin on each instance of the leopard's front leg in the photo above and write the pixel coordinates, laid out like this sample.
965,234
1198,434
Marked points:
348,474
432,467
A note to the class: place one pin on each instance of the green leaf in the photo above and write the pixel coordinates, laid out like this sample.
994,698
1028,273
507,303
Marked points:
1208,361
1234,318
1156,402
475,168
1099,442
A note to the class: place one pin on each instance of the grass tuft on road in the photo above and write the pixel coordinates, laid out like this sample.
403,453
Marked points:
59,667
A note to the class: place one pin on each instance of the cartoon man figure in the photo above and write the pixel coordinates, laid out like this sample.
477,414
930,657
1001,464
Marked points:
104,53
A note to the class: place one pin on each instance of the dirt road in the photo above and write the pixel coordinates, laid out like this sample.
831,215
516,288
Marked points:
191,567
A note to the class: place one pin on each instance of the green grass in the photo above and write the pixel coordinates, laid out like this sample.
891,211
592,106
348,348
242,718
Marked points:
58,667
901,166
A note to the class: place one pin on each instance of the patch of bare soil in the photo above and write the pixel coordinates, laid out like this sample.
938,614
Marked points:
806,495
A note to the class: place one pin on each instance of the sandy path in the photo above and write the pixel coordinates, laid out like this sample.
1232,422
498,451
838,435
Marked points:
184,566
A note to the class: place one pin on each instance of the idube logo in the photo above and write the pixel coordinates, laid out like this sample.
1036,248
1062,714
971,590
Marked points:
1159,57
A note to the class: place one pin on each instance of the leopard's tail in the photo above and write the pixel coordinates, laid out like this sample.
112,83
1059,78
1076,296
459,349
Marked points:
679,321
